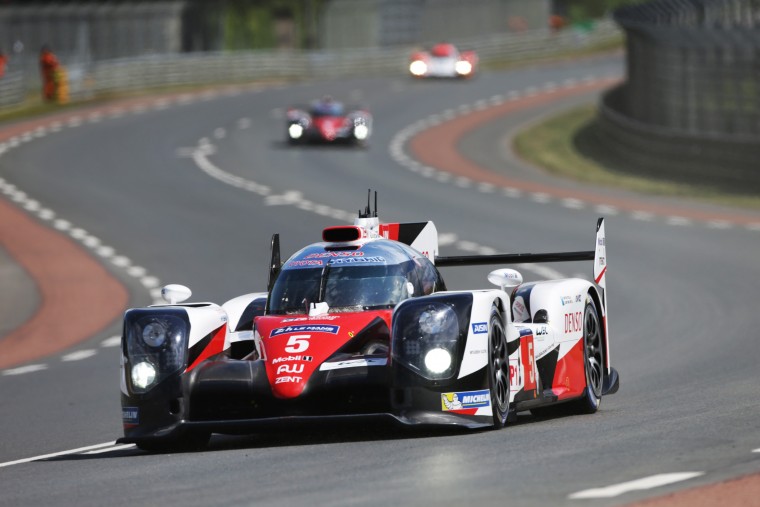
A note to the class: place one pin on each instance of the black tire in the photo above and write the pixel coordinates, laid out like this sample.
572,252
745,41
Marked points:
593,359
498,369
183,442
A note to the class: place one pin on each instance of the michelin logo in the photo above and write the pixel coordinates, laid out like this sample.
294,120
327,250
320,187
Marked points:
465,400
130,415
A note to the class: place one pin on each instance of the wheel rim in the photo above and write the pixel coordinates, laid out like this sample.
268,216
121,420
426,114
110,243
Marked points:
594,359
500,368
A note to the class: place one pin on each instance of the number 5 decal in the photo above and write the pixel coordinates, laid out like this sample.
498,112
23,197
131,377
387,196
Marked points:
297,343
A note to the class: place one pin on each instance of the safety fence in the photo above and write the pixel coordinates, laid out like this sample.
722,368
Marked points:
181,69
12,89
690,108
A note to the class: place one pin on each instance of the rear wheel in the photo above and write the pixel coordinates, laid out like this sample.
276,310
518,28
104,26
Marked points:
593,364
593,358
498,369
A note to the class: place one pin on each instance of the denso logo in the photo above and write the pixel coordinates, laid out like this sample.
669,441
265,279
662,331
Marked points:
309,328
573,322
479,327
324,255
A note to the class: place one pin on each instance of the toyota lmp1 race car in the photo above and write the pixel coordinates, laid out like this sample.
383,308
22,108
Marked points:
328,121
361,326
443,60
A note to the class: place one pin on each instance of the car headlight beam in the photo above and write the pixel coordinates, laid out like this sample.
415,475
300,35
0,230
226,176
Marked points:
418,68
143,375
295,131
437,360
463,67
361,132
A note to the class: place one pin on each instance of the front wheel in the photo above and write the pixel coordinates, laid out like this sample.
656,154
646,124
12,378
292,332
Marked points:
498,369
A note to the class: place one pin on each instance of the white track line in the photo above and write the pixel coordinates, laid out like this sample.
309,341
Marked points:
112,449
650,482
56,454
29,368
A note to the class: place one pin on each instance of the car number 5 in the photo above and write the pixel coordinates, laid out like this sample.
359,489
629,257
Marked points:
297,343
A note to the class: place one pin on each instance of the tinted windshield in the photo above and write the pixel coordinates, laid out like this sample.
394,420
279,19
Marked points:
327,109
378,274
345,288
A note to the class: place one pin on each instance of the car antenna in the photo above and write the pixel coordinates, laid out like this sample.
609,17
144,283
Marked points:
367,210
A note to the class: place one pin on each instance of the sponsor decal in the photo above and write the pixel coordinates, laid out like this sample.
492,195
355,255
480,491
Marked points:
479,327
601,241
290,368
357,260
130,415
602,261
354,363
525,331
578,298
325,255
515,376
301,264
465,401
287,379
567,300
288,359
542,331
315,317
305,328
519,310
573,322
475,352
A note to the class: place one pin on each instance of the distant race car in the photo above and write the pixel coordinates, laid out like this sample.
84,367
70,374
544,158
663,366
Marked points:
361,325
328,121
443,60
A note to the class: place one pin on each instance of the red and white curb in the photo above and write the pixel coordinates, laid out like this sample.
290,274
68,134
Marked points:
396,149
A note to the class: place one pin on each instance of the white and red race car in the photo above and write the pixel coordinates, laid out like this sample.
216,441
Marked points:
444,61
361,325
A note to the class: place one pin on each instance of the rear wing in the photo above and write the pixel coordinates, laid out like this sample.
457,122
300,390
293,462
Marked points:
598,255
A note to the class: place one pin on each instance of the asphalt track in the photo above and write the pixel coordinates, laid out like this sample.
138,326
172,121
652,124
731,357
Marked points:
189,189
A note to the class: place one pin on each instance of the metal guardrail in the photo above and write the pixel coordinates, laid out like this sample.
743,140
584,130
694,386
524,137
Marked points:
180,69
12,89
690,109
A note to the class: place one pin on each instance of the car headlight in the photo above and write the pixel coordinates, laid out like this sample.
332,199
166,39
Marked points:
143,375
295,131
437,320
438,360
463,67
418,68
156,345
154,334
361,132
427,333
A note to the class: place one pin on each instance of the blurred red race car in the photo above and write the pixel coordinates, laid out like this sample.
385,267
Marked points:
443,60
328,121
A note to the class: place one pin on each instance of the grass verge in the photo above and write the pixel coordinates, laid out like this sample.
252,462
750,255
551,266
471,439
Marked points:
550,145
